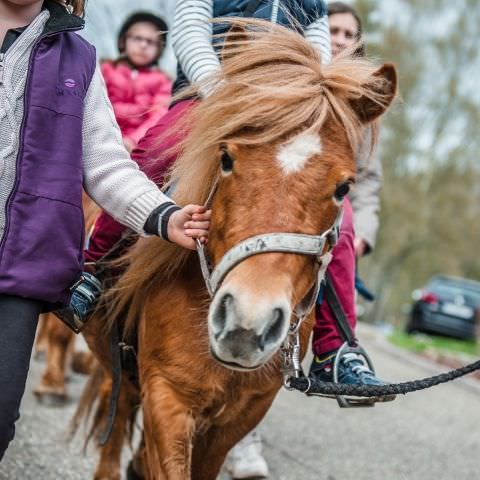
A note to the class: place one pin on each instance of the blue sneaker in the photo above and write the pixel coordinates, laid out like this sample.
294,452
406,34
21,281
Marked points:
353,369
85,294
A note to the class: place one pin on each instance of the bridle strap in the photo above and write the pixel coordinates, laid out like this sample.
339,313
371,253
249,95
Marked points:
303,308
266,243
297,243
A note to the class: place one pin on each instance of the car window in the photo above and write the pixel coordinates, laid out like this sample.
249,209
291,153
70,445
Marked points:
450,291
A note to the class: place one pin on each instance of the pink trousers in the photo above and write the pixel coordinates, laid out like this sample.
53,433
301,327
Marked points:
326,334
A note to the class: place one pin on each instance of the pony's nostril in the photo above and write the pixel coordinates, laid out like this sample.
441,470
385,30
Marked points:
274,329
219,319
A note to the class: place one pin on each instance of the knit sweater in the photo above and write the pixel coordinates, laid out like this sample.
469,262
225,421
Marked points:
192,38
111,178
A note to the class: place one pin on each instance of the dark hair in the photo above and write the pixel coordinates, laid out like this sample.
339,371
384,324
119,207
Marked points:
141,17
341,7
77,6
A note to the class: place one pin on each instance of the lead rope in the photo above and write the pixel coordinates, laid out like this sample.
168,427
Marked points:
317,387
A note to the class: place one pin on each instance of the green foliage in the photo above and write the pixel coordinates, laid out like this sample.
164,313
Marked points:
420,343
429,147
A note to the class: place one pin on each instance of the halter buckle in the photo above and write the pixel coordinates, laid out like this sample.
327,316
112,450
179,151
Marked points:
290,352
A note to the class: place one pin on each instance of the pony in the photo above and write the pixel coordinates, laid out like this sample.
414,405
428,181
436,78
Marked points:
273,147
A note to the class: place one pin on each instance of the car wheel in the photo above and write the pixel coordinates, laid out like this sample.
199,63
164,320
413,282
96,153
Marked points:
411,328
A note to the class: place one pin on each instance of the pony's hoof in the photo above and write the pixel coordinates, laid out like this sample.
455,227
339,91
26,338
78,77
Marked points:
132,473
50,396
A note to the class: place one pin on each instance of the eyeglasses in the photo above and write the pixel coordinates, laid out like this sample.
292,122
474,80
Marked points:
149,42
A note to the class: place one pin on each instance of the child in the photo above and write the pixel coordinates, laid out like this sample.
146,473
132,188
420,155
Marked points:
57,131
138,89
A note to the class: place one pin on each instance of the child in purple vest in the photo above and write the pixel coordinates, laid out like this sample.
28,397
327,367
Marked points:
57,134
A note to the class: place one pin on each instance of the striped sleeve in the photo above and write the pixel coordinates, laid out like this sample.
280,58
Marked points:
318,34
192,40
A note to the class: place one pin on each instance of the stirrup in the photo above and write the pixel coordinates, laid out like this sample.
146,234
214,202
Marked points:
88,287
70,319
353,402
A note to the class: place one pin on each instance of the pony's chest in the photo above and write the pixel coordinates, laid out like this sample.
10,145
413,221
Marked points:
221,411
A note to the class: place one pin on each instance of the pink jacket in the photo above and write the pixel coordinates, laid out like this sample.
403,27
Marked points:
139,97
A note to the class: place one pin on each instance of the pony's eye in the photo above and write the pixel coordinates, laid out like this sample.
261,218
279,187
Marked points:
227,162
342,190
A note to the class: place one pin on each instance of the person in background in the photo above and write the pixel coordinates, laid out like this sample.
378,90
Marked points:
345,32
138,89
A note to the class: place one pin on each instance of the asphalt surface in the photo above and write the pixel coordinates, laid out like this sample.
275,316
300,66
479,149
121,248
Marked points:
432,435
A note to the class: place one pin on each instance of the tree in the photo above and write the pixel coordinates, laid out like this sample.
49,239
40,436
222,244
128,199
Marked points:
428,147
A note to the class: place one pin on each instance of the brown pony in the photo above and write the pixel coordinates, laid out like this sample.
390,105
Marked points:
279,133
55,341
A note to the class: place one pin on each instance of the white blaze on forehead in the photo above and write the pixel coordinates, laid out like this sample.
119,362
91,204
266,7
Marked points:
294,155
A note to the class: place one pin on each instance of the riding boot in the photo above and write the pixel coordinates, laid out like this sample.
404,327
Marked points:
85,294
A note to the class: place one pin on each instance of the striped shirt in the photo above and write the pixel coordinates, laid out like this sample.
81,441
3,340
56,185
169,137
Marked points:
192,38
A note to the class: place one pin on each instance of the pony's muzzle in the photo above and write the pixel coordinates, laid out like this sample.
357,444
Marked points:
246,333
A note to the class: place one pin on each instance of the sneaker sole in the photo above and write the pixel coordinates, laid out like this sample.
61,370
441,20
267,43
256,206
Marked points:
358,400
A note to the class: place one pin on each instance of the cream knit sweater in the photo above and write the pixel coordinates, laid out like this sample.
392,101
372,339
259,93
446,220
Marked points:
111,178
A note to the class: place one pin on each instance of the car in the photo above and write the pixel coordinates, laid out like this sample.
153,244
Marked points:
448,306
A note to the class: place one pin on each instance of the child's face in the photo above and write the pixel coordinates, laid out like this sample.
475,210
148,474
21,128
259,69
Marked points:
343,31
142,44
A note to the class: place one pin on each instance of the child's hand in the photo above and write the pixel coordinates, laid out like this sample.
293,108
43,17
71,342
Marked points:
188,224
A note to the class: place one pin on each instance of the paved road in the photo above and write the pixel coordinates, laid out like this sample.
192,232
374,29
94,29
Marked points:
432,435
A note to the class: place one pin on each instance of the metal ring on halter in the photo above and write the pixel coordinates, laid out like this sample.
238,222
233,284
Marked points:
287,385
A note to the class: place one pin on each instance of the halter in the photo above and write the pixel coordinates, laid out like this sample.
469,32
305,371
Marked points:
299,243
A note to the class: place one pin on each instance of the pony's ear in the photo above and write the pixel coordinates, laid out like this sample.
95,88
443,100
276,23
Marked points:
237,34
369,110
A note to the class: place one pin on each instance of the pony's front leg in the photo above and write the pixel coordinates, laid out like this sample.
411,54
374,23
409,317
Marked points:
168,430
211,447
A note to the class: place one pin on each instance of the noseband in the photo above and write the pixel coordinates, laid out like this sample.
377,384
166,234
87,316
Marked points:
318,246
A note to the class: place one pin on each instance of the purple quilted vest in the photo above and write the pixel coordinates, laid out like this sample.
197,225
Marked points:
41,250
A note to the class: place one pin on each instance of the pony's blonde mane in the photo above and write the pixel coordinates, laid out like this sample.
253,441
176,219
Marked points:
272,84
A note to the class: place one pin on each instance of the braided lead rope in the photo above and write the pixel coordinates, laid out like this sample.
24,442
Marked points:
315,387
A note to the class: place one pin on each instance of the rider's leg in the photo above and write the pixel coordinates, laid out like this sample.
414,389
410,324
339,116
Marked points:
327,339
326,335
18,322
155,154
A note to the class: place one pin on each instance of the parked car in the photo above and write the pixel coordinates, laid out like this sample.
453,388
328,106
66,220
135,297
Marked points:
448,306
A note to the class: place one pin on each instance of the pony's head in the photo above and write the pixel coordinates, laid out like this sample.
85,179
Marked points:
281,130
